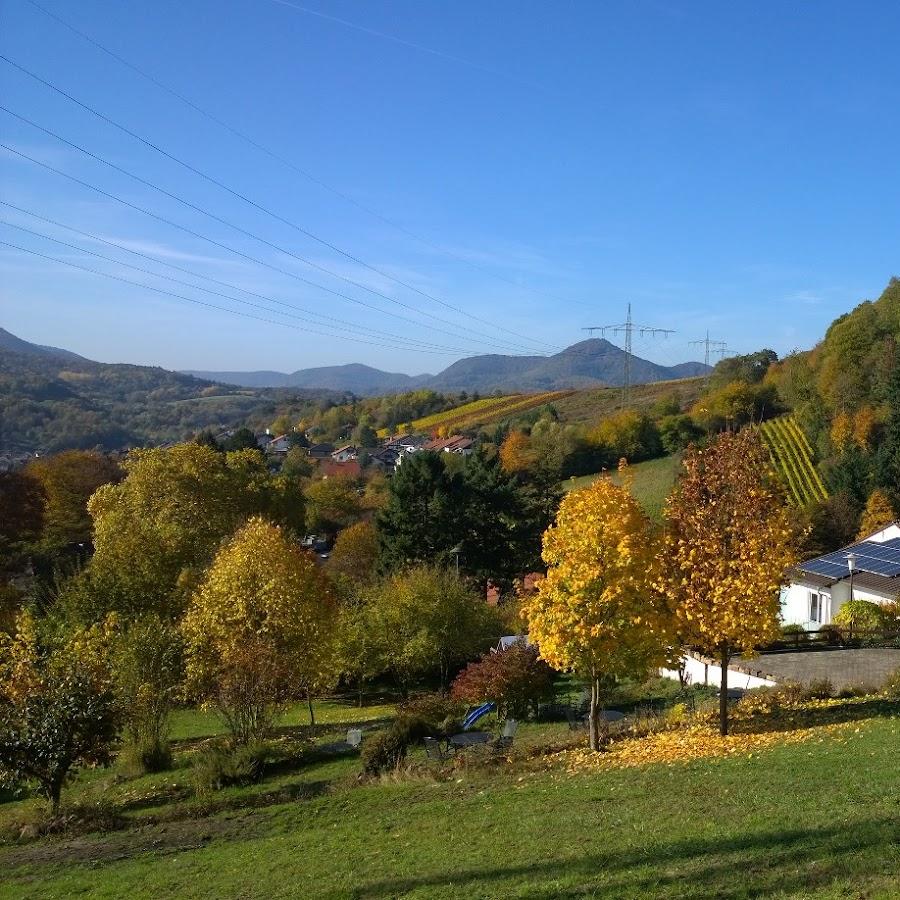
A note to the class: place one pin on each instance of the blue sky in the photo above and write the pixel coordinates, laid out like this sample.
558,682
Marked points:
723,167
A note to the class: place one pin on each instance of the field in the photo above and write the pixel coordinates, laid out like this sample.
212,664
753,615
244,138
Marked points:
793,459
796,820
485,411
652,482
587,407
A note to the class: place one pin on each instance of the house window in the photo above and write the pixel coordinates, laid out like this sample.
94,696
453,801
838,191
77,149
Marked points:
815,607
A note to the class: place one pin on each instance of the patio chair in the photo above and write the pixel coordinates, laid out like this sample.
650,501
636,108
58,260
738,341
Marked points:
354,737
433,750
505,740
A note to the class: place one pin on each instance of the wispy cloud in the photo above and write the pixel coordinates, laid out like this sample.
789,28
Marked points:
166,251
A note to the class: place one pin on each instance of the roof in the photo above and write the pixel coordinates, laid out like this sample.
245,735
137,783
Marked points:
877,566
455,442
345,447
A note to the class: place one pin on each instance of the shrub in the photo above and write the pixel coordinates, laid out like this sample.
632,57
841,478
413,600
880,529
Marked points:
146,756
220,766
385,751
820,689
859,689
860,615
443,714
891,686
789,631
147,662
832,635
388,749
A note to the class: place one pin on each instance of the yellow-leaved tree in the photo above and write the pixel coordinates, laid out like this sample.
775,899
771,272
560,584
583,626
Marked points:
877,514
596,613
260,630
729,544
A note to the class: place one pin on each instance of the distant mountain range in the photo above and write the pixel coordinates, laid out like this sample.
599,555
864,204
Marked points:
592,363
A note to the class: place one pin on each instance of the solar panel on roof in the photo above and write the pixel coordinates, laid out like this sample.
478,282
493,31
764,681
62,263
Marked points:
823,567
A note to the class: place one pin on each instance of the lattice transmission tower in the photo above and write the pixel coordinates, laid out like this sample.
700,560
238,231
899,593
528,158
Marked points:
711,347
628,327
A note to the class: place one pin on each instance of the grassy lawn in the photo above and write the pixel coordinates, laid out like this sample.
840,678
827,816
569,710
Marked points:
193,723
811,819
652,482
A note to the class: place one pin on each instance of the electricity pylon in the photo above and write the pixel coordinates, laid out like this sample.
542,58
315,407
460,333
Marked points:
628,327
711,347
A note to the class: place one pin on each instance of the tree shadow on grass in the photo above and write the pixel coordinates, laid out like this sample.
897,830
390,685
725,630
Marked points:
813,717
760,864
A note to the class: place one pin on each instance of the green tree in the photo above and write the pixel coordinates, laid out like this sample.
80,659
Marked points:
260,630
421,520
331,504
68,480
296,464
158,529
242,439
58,706
502,523
677,432
430,622
629,435
21,516
355,554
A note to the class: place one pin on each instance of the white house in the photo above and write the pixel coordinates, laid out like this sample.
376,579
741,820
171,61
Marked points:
280,444
345,454
820,587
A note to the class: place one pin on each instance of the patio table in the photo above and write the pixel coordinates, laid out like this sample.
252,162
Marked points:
469,739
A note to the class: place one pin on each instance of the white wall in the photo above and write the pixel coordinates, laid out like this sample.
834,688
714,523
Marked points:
698,672
886,533
795,602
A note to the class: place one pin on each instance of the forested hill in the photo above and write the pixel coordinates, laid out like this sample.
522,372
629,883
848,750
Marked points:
845,395
52,400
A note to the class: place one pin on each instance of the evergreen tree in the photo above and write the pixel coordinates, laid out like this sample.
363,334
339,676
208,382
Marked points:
502,523
421,521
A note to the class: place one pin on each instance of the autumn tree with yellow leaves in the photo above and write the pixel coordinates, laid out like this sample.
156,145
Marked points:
260,630
878,513
596,612
728,546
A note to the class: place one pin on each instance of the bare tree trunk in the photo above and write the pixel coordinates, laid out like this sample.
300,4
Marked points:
594,713
312,712
723,691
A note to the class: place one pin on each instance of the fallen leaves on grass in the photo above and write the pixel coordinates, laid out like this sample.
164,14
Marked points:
682,745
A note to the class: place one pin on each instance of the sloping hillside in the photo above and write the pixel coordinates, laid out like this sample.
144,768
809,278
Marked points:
52,399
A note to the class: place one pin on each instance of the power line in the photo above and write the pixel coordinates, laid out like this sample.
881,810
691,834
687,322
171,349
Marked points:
193,300
226,247
96,237
245,199
250,234
401,341
286,162
628,327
